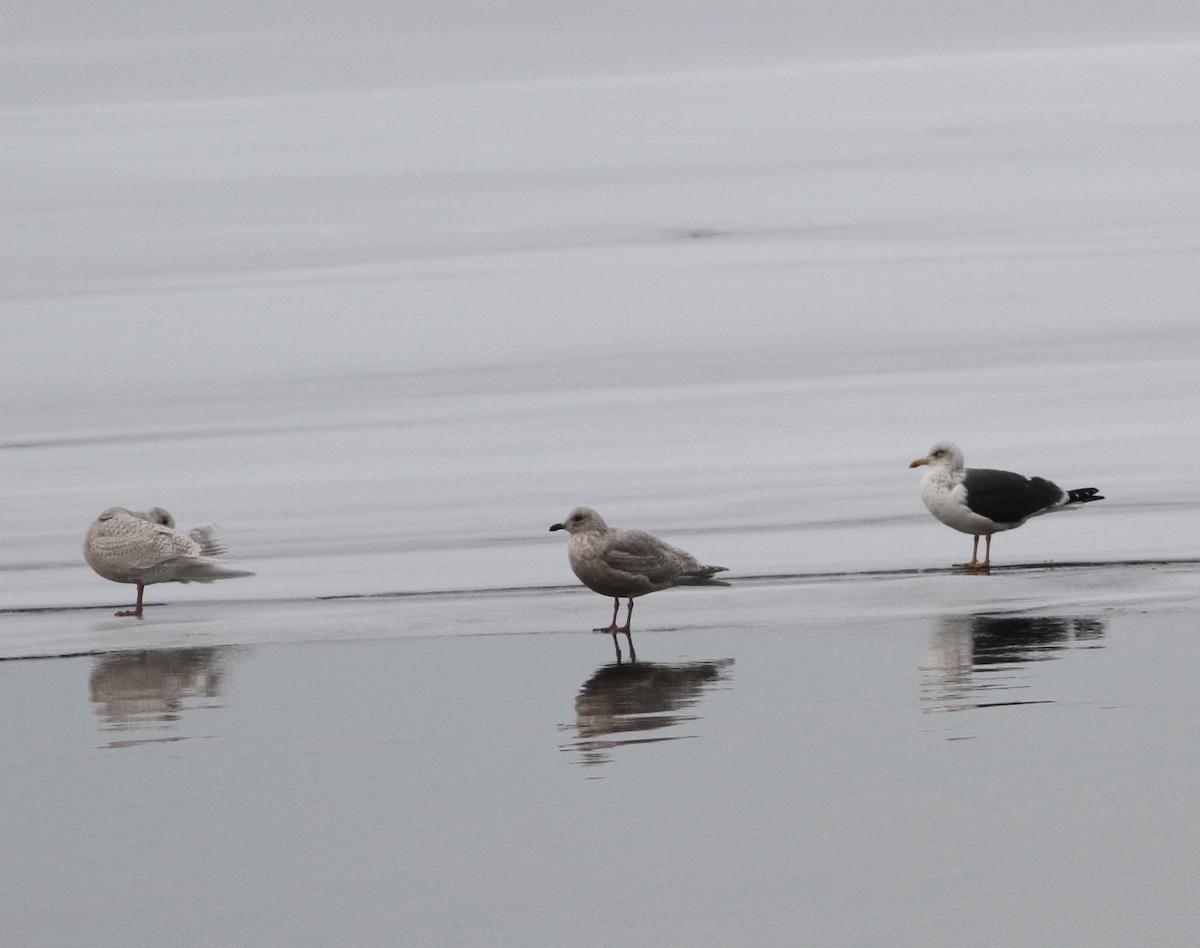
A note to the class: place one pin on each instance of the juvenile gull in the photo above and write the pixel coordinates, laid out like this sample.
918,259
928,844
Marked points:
981,502
143,547
627,564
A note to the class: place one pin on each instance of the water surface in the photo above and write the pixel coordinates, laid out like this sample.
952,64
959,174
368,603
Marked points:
858,782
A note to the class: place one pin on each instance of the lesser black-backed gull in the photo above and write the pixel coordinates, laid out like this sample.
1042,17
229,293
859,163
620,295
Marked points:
981,502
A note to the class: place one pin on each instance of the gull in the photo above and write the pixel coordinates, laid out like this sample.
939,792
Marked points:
143,547
625,564
981,502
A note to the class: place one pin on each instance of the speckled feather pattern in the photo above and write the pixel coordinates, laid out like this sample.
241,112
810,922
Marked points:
143,547
629,563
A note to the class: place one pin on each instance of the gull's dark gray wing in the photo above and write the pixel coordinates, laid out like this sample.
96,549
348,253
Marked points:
1005,497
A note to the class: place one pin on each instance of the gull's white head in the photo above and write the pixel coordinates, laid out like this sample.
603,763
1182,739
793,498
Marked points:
581,519
943,454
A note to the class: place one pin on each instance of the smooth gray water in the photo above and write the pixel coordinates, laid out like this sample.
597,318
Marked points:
940,780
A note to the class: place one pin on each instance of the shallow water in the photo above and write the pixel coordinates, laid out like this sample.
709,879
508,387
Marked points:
994,779
385,298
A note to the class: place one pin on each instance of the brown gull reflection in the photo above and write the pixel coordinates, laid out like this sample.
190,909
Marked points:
976,661
149,690
620,704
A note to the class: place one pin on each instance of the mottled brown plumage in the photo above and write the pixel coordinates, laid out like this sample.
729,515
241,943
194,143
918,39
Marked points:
625,564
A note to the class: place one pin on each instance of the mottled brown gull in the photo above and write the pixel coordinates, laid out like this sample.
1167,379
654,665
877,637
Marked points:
625,564
143,547
981,502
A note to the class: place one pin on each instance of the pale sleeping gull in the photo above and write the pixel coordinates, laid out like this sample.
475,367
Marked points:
981,502
625,564
143,547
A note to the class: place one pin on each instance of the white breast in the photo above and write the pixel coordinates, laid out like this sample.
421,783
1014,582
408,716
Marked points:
946,498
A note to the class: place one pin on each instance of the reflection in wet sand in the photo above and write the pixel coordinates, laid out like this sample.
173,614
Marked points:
150,690
620,703
972,656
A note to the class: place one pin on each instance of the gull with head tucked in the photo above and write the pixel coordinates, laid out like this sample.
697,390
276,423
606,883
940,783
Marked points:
980,501
143,547
625,564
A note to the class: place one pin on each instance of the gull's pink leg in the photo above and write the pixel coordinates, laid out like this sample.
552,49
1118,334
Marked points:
136,611
612,626
628,618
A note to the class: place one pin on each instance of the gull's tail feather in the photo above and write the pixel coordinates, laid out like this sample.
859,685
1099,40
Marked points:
209,539
1083,495
702,576
205,571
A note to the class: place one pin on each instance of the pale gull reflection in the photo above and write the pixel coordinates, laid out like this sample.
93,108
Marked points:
978,661
620,704
150,690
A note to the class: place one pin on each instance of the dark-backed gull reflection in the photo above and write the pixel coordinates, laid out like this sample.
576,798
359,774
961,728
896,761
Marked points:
981,660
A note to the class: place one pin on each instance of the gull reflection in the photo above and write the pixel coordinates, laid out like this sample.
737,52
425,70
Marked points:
975,660
620,704
149,690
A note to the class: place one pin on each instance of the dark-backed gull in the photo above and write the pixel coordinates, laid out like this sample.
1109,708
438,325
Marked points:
981,502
